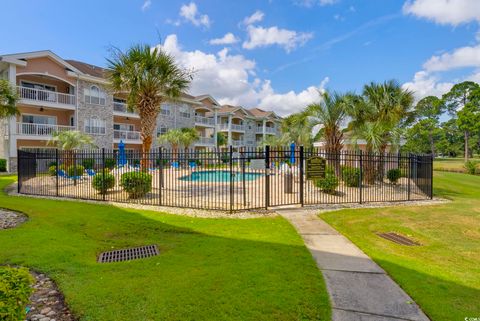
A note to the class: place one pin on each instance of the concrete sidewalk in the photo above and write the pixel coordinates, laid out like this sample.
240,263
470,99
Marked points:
359,289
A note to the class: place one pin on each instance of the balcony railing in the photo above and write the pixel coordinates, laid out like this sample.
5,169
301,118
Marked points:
206,141
238,143
204,121
234,127
268,130
45,96
126,134
122,108
40,129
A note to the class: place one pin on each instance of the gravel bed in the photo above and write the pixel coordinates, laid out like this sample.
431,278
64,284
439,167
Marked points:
10,219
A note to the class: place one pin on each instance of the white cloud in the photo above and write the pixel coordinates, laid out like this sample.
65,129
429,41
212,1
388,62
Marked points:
262,37
227,39
231,79
460,58
311,3
146,5
452,12
425,84
257,16
190,13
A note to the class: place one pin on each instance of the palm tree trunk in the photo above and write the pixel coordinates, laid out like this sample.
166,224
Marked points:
146,146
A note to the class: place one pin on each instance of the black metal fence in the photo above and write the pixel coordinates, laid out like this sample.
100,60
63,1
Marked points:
226,179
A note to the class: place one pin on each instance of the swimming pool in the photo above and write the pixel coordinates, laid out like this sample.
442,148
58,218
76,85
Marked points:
219,176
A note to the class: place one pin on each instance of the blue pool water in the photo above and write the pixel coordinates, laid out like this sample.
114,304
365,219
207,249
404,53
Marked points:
219,176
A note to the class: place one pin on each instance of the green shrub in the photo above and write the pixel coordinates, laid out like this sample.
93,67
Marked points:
103,182
471,167
394,175
328,184
110,163
3,165
15,289
52,170
136,184
88,163
75,170
351,176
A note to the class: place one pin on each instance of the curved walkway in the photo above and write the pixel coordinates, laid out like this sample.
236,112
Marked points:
359,289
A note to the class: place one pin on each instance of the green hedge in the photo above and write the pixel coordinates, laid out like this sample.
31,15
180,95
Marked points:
3,165
351,176
103,182
15,289
136,184
88,163
75,170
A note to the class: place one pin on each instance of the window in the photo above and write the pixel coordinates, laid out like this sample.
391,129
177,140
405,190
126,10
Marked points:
185,111
35,119
95,126
161,131
165,110
95,96
125,127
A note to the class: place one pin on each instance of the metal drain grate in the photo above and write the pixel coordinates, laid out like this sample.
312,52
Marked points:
128,254
399,239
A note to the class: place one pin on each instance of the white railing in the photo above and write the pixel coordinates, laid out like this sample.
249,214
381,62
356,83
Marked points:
40,129
126,134
122,107
45,96
268,130
206,141
235,127
238,143
204,120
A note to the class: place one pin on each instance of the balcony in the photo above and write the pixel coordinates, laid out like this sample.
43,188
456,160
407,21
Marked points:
206,141
204,121
46,98
122,109
268,130
127,136
234,127
40,130
238,143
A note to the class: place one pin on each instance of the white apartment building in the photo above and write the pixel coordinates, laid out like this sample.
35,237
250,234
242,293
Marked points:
59,95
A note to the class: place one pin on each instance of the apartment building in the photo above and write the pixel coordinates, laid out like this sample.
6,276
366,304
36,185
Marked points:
60,95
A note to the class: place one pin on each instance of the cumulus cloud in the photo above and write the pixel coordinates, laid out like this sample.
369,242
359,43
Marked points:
190,13
257,16
452,12
146,5
230,78
227,39
425,84
262,37
459,58
311,3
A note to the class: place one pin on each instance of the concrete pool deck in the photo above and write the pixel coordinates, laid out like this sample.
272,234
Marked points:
359,289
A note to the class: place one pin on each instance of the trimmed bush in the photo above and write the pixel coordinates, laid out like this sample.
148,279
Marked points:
75,170
110,163
351,176
15,289
471,167
136,184
328,184
394,175
52,170
88,163
103,182
3,165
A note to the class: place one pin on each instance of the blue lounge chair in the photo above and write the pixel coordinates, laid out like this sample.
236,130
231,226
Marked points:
61,173
192,165
175,165
91,172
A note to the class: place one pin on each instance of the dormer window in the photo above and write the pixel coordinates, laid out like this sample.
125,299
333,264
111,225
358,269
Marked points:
95,95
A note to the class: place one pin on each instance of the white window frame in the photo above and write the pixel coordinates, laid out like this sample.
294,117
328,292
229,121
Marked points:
165,109
90,98
96,128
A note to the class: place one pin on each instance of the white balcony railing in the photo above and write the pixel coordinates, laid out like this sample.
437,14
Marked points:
204,121
206,141
126,135
238,143
234,127
40,129
268,130
47,96
122,108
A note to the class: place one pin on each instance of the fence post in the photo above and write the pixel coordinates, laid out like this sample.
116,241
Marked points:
409,174
231,177
19,170
267,176
56,171
103,175
302,201
431,176
360,183
160,175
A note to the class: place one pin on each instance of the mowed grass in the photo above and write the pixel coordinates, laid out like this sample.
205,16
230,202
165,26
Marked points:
442,275
451,164
208,269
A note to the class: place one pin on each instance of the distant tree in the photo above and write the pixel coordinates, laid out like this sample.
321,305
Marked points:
428,111
451,138
468,118
8,100
221,140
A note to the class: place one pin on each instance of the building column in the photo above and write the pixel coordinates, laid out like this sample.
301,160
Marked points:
12,121
229,130
264,129
215,129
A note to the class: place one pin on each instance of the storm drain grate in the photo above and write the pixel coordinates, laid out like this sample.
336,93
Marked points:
399,239
128,254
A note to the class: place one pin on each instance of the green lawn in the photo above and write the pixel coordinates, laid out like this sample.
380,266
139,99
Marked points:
451,164
209,269
443,275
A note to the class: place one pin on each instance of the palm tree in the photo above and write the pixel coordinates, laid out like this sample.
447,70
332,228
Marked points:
8,100
150,77
298,129
221,139
172,137
189,136
276,141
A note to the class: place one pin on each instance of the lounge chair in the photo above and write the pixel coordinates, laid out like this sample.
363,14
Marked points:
175,165
90,172
61,173
192,165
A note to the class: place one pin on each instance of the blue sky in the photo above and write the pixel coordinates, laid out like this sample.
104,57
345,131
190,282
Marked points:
278,59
